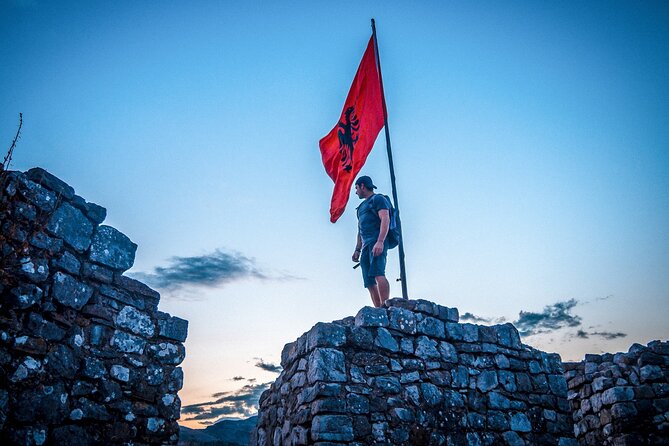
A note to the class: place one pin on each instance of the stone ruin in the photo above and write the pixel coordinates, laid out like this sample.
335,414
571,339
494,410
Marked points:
410,374
87,358
85,355
621,399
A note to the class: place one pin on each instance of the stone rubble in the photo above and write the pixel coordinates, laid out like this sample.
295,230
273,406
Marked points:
621,399
85,355
410,374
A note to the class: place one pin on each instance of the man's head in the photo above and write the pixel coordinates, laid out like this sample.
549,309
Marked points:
364,187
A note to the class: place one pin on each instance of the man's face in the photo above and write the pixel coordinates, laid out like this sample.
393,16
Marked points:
359,191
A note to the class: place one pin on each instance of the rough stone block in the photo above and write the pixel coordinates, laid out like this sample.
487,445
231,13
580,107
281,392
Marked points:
617,395
69,224
25,296
41,197
332,428
426,348
386,341
70,292
508,336
623,410
172,327
44,178
431,327
487,381
326,364
95,212
112,248
135,321
520,423
371,317
650,373
67,262
167,353
326,335
401,319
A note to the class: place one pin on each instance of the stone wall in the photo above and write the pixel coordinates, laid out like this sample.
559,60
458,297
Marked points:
621,399
410,374
85,355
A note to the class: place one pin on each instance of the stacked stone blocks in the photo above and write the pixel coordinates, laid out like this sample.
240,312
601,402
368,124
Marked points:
621,399
410,374
85,355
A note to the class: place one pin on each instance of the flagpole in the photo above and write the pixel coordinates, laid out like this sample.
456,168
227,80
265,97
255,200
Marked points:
403,276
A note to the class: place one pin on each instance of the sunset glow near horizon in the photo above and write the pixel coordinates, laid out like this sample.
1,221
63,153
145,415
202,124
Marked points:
530,140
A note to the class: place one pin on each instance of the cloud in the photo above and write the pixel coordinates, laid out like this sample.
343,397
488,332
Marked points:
209,270
267,366
605,297
240,403
238,378
582,334
473,318
604,334
553,317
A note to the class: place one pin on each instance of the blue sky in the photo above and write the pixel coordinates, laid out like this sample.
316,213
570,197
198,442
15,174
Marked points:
531,146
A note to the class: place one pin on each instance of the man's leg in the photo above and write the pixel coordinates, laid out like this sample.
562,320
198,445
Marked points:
382,289
374,293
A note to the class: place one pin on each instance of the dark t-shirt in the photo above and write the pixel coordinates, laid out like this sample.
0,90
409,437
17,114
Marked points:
369,223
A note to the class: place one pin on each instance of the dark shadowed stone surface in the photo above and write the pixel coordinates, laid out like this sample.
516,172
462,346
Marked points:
611,400
69,291
326,364
25,295
45,404
44,178
172,327
69,224
326,335
112,248
40,196
86,358
67,262
385,340
332,428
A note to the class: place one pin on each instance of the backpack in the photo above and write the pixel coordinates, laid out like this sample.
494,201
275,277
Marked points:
395,227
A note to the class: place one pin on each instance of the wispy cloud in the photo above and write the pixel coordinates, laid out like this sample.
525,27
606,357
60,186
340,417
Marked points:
268,366
604,334
605,297
553,317
240,403
209,270
473,318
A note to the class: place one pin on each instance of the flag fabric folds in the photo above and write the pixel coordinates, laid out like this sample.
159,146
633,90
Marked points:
344,150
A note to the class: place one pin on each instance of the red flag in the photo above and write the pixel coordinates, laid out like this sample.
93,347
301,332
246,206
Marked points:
344,150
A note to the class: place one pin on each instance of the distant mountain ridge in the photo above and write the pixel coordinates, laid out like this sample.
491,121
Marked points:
223,433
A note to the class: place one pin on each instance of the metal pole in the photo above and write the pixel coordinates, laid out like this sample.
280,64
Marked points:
403,276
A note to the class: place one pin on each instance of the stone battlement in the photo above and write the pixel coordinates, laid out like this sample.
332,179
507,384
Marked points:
623,398
85,355
410,374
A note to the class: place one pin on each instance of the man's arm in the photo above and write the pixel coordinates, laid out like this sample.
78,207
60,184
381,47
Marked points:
358,246
384,215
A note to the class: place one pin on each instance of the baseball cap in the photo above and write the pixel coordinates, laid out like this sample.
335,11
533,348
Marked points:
366,181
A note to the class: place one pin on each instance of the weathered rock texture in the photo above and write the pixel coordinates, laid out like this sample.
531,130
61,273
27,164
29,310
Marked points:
85,355
621,399
410,374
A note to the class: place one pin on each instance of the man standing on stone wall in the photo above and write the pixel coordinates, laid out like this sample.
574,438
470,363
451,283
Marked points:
371,247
